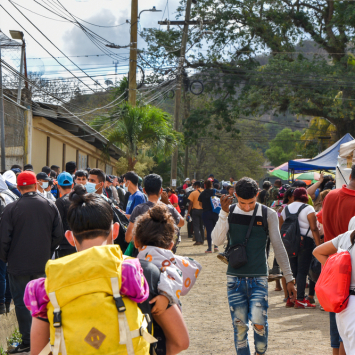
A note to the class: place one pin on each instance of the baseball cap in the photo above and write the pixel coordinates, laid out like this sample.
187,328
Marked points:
16,170
26,178
109,179
226,184
187,179
65,179
43,176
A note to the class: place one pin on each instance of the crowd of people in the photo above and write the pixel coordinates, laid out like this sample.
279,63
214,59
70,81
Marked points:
74,237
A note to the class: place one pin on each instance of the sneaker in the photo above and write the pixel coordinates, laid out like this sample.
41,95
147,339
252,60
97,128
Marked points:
216,249
289,303
223,257
197,243
22,348
304,304
208,251
311,300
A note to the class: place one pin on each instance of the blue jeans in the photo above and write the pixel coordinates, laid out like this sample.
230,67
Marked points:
248,301
209,220
5,294
335,338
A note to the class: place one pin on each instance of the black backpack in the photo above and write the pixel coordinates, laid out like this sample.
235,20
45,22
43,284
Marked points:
291,232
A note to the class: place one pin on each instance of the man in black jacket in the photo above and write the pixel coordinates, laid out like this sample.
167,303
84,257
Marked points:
30,230
65,185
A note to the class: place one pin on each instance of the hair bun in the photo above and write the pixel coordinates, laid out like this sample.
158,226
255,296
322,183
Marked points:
159,214
77,196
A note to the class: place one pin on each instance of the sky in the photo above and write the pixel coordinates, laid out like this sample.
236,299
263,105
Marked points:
72,40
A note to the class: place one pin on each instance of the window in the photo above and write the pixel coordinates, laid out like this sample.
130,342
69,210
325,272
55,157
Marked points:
108,169
82,161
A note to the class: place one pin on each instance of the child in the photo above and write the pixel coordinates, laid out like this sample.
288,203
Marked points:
154,238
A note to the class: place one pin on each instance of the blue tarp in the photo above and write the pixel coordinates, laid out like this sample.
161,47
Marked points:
326,160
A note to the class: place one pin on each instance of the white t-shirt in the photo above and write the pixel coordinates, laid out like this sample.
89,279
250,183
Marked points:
302,218
342,242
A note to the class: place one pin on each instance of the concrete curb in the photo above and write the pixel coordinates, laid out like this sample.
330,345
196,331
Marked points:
8,323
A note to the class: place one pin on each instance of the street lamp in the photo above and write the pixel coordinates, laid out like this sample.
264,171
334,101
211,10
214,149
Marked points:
154,9
20,36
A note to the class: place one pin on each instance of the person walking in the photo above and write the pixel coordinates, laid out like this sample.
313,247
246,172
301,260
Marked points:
173,199
196,211
30,230
309,239
209,217
136,197
247,285
153,189
65,186
262,195
272,193
345,319
338,209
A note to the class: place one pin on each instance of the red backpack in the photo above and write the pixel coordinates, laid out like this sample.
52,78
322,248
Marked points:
333,285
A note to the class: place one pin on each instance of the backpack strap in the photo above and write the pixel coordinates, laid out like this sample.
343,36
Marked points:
265,222
59,343
287,212
126,335
301,209
251,225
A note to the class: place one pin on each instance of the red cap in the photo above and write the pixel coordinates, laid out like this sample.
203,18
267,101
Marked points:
26,178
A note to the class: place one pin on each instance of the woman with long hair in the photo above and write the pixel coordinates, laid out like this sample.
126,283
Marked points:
309,239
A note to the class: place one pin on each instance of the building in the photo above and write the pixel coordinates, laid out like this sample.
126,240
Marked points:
44,134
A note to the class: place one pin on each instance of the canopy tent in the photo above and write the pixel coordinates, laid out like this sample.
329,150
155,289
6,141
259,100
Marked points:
326,160
283,175
284,166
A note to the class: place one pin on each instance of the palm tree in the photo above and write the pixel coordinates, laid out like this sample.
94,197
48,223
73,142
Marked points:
132,128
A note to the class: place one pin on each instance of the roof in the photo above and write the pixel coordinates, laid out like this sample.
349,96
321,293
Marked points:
326,160
77,127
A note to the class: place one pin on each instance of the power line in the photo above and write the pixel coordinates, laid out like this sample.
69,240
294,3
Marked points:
50,40
43,47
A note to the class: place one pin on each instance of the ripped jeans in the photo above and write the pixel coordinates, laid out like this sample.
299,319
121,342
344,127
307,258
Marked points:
248,301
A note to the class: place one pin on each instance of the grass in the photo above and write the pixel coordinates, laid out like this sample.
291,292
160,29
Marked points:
14,338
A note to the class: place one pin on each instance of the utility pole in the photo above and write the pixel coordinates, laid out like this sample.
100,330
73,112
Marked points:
186,116
132,80
174,158
2,119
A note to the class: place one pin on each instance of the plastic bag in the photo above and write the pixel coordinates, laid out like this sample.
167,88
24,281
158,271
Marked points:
333,285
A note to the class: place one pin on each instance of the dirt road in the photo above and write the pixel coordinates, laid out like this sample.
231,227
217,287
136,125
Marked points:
205,309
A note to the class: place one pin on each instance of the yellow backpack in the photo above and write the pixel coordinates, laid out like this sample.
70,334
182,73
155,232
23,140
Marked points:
86,312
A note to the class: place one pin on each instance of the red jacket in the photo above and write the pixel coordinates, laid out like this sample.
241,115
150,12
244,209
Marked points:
338,209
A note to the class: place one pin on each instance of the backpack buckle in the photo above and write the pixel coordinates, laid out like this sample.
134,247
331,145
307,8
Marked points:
120,304
57,320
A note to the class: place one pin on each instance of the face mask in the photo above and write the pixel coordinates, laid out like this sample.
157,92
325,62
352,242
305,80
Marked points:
125,187
90,187
45,185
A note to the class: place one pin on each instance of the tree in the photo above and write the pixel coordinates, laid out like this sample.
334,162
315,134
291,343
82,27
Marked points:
284,147
134,128
318,84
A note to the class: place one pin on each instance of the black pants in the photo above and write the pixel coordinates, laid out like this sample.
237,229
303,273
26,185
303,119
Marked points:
300,265
312,286
18,285
190,230
198,225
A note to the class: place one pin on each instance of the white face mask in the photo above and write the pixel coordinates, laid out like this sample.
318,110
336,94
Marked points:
125,187
44,184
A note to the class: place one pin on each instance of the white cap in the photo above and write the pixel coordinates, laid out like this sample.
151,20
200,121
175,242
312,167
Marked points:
187,179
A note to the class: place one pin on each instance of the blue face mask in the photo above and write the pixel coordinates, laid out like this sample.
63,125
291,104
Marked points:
90,187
